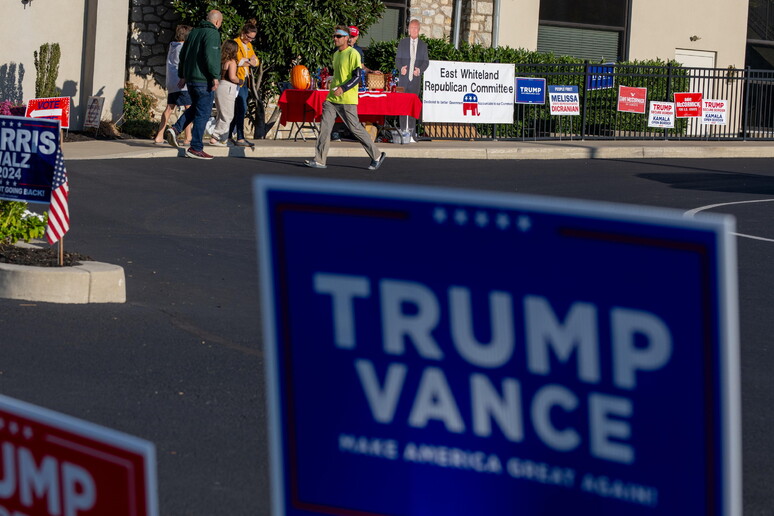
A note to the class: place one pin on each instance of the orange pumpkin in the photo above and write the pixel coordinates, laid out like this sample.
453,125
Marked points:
300,78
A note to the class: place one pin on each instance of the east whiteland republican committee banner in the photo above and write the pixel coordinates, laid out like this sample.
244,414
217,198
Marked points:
479,93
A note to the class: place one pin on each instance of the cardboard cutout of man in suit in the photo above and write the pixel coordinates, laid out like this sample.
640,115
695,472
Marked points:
411,60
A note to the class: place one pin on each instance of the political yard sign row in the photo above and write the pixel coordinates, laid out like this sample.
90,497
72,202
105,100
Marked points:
458,353
485,93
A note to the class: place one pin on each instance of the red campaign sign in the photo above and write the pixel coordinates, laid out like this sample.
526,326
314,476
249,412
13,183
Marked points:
56,108
632,100
56,465
688,105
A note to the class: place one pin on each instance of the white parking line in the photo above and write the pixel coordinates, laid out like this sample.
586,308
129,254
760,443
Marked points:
691,213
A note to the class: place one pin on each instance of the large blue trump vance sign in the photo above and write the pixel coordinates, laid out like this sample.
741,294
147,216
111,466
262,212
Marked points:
437,352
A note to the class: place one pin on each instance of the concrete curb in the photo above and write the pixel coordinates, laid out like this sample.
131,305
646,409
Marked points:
441,149
90,282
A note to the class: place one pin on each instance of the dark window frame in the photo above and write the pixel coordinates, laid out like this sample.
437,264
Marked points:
623,30
403,9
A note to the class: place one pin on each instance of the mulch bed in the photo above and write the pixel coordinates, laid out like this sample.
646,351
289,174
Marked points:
39,257
85,136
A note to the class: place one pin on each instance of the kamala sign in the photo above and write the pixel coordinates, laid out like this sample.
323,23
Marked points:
444,352
480,93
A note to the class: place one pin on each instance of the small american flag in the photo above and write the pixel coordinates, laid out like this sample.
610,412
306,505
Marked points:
58,212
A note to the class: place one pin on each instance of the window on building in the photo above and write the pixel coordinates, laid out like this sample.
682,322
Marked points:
389,27
760,35
587,29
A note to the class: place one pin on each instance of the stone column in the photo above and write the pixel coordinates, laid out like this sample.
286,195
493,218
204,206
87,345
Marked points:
437,17
152,28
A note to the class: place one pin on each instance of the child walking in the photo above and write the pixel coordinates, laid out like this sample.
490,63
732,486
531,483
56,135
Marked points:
175,95
225,95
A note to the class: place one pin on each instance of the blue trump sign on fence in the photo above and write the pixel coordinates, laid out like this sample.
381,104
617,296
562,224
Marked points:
530,90
439,352
28,148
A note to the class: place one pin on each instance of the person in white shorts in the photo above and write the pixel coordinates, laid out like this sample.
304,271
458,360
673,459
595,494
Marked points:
226,94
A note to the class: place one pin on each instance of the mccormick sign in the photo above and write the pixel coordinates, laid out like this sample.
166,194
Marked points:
632,100
688,105
433,351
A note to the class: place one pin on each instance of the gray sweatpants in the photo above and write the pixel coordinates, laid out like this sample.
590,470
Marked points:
348,113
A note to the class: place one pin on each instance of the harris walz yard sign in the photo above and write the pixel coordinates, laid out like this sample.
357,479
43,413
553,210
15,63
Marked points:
28,151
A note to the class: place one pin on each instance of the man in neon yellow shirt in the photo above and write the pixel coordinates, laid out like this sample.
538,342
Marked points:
342,102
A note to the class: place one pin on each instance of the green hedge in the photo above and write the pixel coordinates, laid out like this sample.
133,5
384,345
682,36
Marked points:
557,70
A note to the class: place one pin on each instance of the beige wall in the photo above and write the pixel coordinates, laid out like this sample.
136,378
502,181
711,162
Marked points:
519,23
658,27
661,26
83,71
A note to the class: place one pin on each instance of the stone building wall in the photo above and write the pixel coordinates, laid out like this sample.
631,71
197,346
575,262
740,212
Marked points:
151,28
437,21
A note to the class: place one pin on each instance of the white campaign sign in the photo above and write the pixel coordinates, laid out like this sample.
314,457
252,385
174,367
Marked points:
481,93
662,114
714,112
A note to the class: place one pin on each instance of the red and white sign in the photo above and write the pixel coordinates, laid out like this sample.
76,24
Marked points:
714,112
56,465
632,100
661,114
688,105
57,108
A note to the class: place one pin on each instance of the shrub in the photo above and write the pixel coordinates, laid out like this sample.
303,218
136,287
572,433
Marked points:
47,67
140,128
660,77
18,223
7,108
138,105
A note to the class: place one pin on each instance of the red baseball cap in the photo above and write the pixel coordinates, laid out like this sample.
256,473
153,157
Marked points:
353,31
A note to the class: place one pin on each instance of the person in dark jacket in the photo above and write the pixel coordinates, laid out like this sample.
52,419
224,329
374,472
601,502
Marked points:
411,60
199,69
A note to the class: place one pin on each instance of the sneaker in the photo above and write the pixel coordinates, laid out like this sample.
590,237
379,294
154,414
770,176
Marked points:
171,135
218,143
313,164
375,164
197,154
244,143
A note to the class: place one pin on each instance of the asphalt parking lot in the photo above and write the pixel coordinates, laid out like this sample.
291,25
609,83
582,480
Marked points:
181,363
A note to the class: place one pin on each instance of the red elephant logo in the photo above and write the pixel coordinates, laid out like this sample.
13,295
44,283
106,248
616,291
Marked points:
470,105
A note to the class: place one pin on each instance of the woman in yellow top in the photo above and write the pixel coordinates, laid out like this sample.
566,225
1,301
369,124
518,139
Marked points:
246,59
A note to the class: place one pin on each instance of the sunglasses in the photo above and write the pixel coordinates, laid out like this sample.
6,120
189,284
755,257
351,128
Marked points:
338,36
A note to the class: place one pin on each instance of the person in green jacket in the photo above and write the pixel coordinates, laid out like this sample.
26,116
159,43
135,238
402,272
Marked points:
199,69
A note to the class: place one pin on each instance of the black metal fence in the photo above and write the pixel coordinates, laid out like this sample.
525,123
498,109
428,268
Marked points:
749,95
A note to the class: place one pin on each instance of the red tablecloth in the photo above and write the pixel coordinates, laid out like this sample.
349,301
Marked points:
306,105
